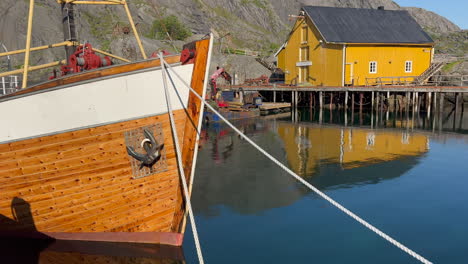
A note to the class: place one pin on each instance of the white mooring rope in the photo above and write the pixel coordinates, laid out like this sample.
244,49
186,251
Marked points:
179,162
310,186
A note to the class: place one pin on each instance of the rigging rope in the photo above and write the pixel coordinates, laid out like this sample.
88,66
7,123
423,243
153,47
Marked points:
310,186
179,160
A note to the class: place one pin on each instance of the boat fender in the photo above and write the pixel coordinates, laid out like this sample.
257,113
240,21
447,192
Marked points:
152,148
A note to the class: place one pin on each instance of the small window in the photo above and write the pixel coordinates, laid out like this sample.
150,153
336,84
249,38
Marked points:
373,67
304,54
304,34
408,66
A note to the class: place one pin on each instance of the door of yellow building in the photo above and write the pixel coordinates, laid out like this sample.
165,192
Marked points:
349,74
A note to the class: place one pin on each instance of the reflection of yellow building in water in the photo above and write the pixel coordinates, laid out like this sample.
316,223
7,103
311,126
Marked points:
308,146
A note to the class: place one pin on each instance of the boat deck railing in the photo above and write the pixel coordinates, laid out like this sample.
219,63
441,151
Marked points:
8,84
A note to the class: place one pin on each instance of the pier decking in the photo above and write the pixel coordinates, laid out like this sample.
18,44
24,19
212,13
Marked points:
395,97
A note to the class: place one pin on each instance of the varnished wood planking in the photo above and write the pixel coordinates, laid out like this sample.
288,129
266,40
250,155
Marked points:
85,203
95,207
59,145
74,147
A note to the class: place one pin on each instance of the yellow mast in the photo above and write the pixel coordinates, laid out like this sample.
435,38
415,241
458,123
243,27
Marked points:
34,68
113,2
134,30
28,44
14,52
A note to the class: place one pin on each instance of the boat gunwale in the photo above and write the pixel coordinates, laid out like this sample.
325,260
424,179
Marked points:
68,81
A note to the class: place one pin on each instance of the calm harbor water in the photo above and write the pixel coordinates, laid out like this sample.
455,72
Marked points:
407,175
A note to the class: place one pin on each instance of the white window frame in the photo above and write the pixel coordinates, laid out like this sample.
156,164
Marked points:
304,34
304,52
410,63
375,67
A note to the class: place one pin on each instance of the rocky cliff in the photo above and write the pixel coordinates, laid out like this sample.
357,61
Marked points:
260,25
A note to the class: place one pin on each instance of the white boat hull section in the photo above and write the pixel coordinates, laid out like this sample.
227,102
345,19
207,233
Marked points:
120,98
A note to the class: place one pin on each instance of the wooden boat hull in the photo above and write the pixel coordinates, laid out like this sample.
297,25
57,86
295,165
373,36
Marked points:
65,171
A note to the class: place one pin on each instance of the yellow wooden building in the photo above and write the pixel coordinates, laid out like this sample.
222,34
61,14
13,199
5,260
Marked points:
331,46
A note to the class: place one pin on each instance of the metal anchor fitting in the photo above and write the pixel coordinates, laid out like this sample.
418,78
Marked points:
152,148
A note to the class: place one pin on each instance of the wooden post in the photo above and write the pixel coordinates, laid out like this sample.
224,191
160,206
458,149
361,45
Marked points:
346,101
361,101
407,103
441,104
352,102
372,100
274,96
428,104
132,24
388,106
441,110
331,101
457,104
28,44
321,99
417,101
297,99
377,103
292,100
434,102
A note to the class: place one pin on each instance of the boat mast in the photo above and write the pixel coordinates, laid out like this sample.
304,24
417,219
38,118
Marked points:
69,28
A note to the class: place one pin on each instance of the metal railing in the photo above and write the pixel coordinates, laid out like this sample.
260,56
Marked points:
448,80
8,84
435,80
391,80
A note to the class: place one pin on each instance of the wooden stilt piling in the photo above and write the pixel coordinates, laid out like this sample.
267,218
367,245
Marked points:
361,99
321,99
346,101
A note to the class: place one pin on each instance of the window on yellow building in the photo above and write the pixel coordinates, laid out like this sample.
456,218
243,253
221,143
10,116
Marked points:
304,34
304,53
373,67
408,66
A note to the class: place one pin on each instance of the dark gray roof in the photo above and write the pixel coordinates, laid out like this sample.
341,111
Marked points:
355,25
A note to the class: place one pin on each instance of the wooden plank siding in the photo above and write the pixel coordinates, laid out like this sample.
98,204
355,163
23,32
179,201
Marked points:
81,181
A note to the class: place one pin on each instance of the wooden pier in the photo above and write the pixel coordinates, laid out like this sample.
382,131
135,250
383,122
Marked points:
274,108
381,99
419,98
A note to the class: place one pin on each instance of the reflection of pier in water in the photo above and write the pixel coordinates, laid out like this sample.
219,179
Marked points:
451,119
330,157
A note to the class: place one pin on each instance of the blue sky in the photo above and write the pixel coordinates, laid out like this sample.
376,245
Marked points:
454,10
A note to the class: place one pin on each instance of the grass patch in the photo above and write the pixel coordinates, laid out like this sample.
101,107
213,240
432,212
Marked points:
169,25
448,67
